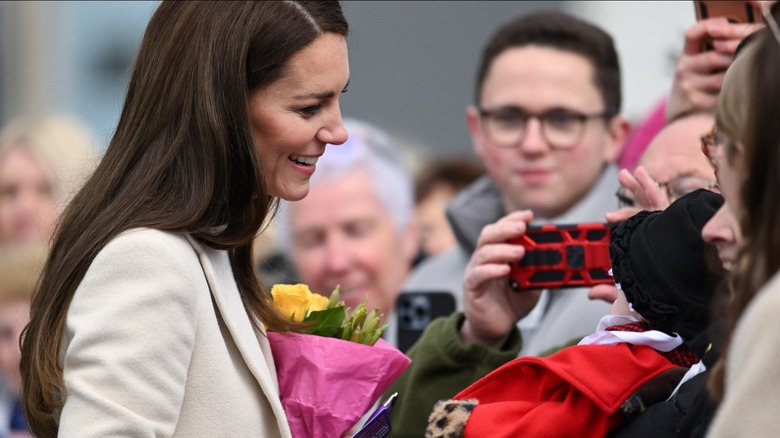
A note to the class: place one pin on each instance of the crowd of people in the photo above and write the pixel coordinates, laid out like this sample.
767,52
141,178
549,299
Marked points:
134,286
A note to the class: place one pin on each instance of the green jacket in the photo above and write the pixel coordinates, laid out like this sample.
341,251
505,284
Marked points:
449,366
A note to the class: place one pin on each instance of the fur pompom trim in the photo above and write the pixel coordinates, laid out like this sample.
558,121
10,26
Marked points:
448,419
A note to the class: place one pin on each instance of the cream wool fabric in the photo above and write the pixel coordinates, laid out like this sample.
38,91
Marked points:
749,408
150,351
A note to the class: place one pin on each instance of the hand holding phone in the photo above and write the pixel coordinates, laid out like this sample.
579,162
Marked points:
490,307
563,256
708,51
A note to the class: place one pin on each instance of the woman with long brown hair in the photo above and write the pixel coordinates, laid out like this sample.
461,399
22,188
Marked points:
746,152
149,319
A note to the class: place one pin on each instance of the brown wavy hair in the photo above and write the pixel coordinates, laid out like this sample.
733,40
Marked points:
182,159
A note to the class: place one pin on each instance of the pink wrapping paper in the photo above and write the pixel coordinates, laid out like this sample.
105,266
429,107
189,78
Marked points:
327,384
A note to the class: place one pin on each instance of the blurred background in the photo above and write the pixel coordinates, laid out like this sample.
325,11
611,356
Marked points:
412,64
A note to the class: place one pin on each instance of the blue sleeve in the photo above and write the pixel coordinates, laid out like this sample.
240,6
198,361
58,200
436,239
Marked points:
17,418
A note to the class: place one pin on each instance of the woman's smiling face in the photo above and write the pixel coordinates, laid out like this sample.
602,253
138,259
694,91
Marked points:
293,118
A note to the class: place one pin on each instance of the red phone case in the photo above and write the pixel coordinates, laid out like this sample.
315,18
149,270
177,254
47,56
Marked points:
562,256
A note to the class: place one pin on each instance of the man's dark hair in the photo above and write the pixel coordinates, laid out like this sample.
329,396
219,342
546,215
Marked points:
560,31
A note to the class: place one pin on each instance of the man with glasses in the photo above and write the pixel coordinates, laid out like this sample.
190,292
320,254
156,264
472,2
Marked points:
671,166
546,123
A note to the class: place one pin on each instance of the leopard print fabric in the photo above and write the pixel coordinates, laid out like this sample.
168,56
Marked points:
448,419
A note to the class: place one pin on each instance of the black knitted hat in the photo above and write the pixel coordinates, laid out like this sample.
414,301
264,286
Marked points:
660,262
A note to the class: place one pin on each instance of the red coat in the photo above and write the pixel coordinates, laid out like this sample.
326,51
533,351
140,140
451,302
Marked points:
575,392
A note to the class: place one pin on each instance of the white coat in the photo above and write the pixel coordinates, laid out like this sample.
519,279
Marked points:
157,344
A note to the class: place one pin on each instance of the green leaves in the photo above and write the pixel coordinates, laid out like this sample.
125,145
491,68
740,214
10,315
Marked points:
333,301
337,321
326,322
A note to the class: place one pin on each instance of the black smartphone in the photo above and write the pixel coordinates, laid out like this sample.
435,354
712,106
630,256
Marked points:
415,310
563,256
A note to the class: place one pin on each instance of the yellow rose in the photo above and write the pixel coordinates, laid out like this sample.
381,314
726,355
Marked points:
296,301
317,302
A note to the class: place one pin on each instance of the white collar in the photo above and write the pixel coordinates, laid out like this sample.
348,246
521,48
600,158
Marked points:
651,338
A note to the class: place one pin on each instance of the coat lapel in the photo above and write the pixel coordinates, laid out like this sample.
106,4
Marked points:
254,347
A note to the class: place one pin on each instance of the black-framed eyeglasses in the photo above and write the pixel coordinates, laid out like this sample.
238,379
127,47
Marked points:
506,126
710,142
674,188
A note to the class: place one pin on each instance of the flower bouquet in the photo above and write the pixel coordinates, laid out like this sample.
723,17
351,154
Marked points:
332,372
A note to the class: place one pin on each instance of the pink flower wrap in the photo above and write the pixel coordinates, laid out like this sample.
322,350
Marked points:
327,384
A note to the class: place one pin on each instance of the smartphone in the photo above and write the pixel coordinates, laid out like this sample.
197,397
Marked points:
563,256
734,11
415,310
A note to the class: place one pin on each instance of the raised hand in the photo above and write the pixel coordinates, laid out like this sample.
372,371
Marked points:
492,309
699,73
645,192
